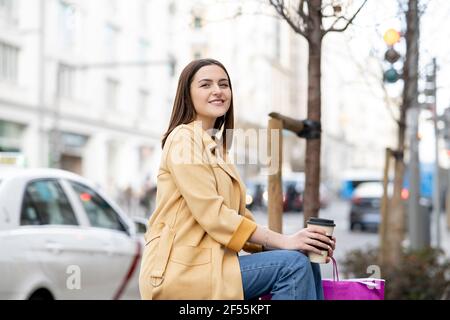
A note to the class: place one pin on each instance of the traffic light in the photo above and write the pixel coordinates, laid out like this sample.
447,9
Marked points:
391,37
391,75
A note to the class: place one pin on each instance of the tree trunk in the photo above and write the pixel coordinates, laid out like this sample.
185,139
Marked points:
392,246
396,218
311,203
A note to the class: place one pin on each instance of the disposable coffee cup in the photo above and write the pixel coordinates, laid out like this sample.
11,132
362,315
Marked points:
328,226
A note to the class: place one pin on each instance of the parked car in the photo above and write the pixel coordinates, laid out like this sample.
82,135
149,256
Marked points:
365,206
292,195
352,178
293,192
257,196
293,188
63,238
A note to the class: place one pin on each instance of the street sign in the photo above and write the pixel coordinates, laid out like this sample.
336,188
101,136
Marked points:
12,159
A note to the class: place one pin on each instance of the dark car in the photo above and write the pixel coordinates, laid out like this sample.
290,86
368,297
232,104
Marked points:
365,206
293,192
292,196
293,188
256,197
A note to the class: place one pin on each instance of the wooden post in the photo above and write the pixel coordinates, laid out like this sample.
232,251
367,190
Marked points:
275,191
384,246
447,206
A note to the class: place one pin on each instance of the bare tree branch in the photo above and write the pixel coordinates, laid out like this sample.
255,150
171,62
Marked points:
300,10
280,8
349,21
336,21
329,16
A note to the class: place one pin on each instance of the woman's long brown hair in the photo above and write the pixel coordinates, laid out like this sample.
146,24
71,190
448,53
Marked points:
183,111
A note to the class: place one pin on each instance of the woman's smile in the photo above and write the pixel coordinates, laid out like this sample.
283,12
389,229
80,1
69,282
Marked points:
217,102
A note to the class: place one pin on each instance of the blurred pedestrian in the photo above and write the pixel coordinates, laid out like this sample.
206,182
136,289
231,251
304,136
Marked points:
147,197
200,222
292,197
258,197
127,196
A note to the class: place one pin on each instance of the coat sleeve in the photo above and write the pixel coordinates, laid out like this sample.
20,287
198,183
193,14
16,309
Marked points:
195,179
251,247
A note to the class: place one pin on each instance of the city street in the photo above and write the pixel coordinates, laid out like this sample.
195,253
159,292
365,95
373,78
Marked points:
338,210
187,111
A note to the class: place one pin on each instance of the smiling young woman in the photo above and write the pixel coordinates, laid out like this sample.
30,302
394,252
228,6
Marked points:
200,223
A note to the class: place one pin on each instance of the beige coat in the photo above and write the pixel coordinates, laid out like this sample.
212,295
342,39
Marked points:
199,224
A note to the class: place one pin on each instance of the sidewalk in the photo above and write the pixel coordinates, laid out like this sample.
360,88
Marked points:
346,240
445,235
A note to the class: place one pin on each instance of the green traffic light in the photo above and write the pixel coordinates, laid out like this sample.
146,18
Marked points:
391,75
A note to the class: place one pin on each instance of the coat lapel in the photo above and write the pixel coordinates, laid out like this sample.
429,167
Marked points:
222,162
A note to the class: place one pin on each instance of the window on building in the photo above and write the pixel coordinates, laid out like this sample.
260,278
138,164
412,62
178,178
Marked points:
197,55
143,56
198,22
8,62
143,102
112,93
172,7
112,33
66,24
11,136
66,81
8,11
46,203
143,14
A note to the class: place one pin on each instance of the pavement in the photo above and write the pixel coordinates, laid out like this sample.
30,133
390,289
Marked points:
347,240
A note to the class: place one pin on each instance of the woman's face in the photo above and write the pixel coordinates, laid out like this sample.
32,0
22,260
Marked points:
211,94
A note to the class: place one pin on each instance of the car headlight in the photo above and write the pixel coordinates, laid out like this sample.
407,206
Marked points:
248,199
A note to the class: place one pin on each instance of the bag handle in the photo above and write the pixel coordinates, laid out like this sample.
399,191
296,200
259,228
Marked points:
335,270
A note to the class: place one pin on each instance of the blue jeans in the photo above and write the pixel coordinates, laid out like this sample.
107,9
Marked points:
285,274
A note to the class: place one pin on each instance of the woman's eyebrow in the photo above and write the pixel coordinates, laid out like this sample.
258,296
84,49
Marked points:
209,80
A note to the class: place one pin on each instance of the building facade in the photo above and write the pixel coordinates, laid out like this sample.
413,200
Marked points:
85,87
88,86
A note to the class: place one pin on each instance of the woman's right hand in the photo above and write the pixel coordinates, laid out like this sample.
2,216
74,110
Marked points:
308,239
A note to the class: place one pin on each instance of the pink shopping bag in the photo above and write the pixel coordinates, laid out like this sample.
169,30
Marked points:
352,289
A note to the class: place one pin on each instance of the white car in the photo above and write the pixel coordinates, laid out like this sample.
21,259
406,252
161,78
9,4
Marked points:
62,238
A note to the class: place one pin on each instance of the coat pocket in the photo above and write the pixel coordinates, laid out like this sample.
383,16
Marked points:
191,256
188,274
